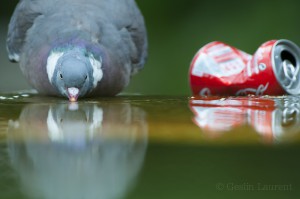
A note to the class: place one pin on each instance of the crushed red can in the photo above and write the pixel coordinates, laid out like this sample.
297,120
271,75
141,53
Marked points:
220,69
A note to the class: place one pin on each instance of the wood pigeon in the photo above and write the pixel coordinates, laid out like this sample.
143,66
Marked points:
78,48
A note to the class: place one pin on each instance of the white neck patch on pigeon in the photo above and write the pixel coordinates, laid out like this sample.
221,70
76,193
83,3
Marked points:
51,63
97,71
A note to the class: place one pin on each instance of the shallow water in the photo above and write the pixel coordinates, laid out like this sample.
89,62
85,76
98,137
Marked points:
149,147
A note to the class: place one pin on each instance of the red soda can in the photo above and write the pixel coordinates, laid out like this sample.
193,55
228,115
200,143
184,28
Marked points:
220,69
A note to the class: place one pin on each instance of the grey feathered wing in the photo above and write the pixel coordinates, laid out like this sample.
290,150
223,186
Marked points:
22,19
28,10
138,32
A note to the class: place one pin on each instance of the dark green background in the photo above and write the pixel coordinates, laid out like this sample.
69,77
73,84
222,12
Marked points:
177,29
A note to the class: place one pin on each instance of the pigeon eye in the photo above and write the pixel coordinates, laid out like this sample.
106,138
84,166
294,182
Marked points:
85,77
61,76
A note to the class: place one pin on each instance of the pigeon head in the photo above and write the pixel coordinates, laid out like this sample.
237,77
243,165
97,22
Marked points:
73,72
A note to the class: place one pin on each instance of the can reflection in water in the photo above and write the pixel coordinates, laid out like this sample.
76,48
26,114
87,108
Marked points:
272,118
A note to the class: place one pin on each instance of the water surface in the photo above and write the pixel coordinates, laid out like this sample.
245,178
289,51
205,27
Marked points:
149,147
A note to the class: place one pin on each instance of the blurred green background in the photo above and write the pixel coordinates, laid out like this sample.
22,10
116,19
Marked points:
176,30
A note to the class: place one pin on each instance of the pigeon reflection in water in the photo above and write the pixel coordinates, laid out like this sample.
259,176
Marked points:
70,151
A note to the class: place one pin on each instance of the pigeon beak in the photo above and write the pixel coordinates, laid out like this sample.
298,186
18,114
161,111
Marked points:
73,94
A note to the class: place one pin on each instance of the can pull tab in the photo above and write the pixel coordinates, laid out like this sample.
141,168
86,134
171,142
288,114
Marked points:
290,73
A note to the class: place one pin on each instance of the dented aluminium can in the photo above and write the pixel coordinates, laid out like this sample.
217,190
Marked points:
220,69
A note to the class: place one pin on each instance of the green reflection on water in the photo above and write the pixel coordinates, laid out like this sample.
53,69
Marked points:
148,146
